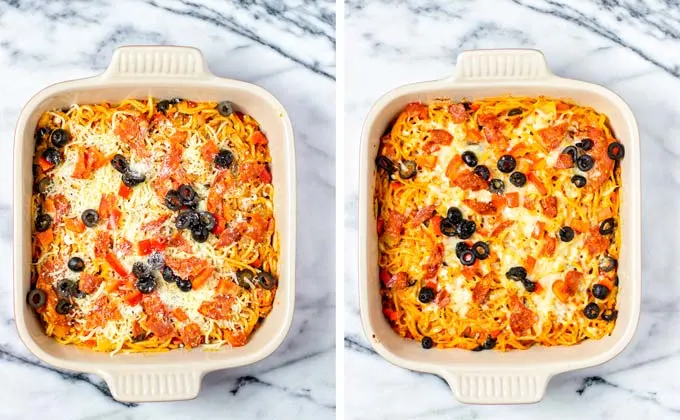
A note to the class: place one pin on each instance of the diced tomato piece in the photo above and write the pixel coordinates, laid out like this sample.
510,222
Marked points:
529,264
147,246
116,265
539,228
199,280
596,244
427,161
549,246
226,287
258,138
380,226
44,164
537,183
237,338
74,225
580,226
512,199
390,314
179,314
133,298
44,238
124,191
385,276
435,222
501,227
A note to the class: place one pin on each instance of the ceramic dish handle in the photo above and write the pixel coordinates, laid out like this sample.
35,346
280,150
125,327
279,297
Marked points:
166,385
153,61
489,65
487,388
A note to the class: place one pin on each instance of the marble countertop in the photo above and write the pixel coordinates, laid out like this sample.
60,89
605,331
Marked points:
626,46
287,47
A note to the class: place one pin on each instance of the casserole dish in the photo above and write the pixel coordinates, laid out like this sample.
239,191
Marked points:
516,376
138,72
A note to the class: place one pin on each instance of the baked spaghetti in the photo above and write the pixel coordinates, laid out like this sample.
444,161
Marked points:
153,225
498,223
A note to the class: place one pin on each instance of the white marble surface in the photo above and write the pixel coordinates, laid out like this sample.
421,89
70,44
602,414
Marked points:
628,46
285,46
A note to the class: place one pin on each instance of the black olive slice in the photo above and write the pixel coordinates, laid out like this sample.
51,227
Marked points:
167,274
119,163
245,278
616,151
52,155
36,298
200,233
585,163
43,185
132,178
141,270
266,280
529,286
162,106
63,307
184,284
447,227
90,217
467,257
43,222
566,234
156,260
426,294
572,152
591,311
384,163
59,137
609,314
187,219
600,291
585,144
482,172
470,158
76,264
454,215
497,186
427,343
146,285
40,134
516,273
225,108
466,229
408,169
489,343
460,247
607,264
66,288
515,111
506,164
172,200
207,220
481,250
579,181
223,159
518,179
607,226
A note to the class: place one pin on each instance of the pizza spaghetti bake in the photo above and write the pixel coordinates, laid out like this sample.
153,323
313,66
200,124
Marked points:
498,223
153,225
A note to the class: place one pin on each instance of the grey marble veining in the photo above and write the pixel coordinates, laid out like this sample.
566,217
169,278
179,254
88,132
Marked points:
287,47
627,46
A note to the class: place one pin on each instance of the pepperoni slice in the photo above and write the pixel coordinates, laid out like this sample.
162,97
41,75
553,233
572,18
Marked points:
481,291
219,308
480,207
521,317
552,136
549,205
416,109
468,180
458,113
191,335
89,283
422,215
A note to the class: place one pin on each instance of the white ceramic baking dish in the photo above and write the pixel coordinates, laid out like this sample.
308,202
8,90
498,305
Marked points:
163,72
493,377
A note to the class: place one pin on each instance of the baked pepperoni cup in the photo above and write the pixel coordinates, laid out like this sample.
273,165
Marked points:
518,376
165,72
